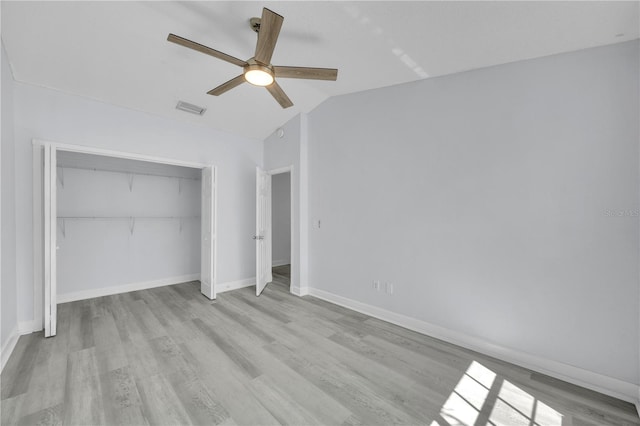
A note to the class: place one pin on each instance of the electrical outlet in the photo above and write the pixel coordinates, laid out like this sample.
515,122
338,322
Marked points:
389,288
376,285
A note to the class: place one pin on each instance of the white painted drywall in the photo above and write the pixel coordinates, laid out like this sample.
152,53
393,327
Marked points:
502,203
283,152
60,117
9,316
281,218
102,253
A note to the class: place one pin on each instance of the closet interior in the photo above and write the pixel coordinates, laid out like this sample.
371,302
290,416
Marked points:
124,223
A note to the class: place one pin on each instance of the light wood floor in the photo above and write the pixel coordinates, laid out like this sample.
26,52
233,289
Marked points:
282,275
170,356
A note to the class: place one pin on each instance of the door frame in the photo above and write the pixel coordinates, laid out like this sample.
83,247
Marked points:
294,265
40,147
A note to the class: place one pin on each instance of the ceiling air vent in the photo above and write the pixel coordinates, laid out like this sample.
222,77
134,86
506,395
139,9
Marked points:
193,109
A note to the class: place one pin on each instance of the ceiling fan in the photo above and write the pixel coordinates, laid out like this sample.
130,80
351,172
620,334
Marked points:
258,70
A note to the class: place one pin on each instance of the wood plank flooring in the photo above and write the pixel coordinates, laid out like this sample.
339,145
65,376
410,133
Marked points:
170,356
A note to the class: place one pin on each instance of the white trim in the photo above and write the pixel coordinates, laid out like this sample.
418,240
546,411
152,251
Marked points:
300,291
275,263
49,235
38,234
120,154
304,201
280,170
214,170
578,376
22,328
107,291
235,285
28,327
8,347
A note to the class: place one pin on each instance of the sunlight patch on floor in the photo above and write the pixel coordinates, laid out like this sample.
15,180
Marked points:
482,397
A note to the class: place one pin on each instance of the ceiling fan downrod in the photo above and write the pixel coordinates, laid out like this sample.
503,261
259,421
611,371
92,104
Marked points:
255,24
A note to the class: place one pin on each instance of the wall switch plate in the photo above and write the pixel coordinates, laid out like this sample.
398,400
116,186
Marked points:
389,288
376,285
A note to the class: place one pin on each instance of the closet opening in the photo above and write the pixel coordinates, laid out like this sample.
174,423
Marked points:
117,222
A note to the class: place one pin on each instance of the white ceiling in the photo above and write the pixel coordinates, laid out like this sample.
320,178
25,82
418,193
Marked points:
117,52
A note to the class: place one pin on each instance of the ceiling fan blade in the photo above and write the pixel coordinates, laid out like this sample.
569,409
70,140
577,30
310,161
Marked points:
306,73
206,50
277,92
270,25
224,87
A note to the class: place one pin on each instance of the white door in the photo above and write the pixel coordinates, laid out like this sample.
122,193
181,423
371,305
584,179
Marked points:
208,233
50,244
263,230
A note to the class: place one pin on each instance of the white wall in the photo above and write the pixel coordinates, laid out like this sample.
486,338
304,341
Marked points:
8,290
101,253
281,218
52,115
501,202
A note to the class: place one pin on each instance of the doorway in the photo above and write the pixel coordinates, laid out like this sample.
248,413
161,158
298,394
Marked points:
281,228
278,267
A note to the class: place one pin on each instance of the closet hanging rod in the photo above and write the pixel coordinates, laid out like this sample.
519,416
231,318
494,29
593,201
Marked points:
126,217
95,169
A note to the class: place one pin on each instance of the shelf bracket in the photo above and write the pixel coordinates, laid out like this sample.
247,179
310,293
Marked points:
132,224
130,177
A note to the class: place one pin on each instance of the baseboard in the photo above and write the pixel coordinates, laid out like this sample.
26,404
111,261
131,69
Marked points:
23,327
598,382
108,291
280,263
27,327
8,347
235,285
299,291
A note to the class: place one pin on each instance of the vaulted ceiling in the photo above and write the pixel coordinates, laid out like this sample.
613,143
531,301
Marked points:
117,52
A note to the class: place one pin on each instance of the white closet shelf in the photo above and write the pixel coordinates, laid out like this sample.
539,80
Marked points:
131,219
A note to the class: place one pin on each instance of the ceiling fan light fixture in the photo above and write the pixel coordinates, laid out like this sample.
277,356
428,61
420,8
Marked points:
258,75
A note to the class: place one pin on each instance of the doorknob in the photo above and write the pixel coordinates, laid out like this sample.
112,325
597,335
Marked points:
258,237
